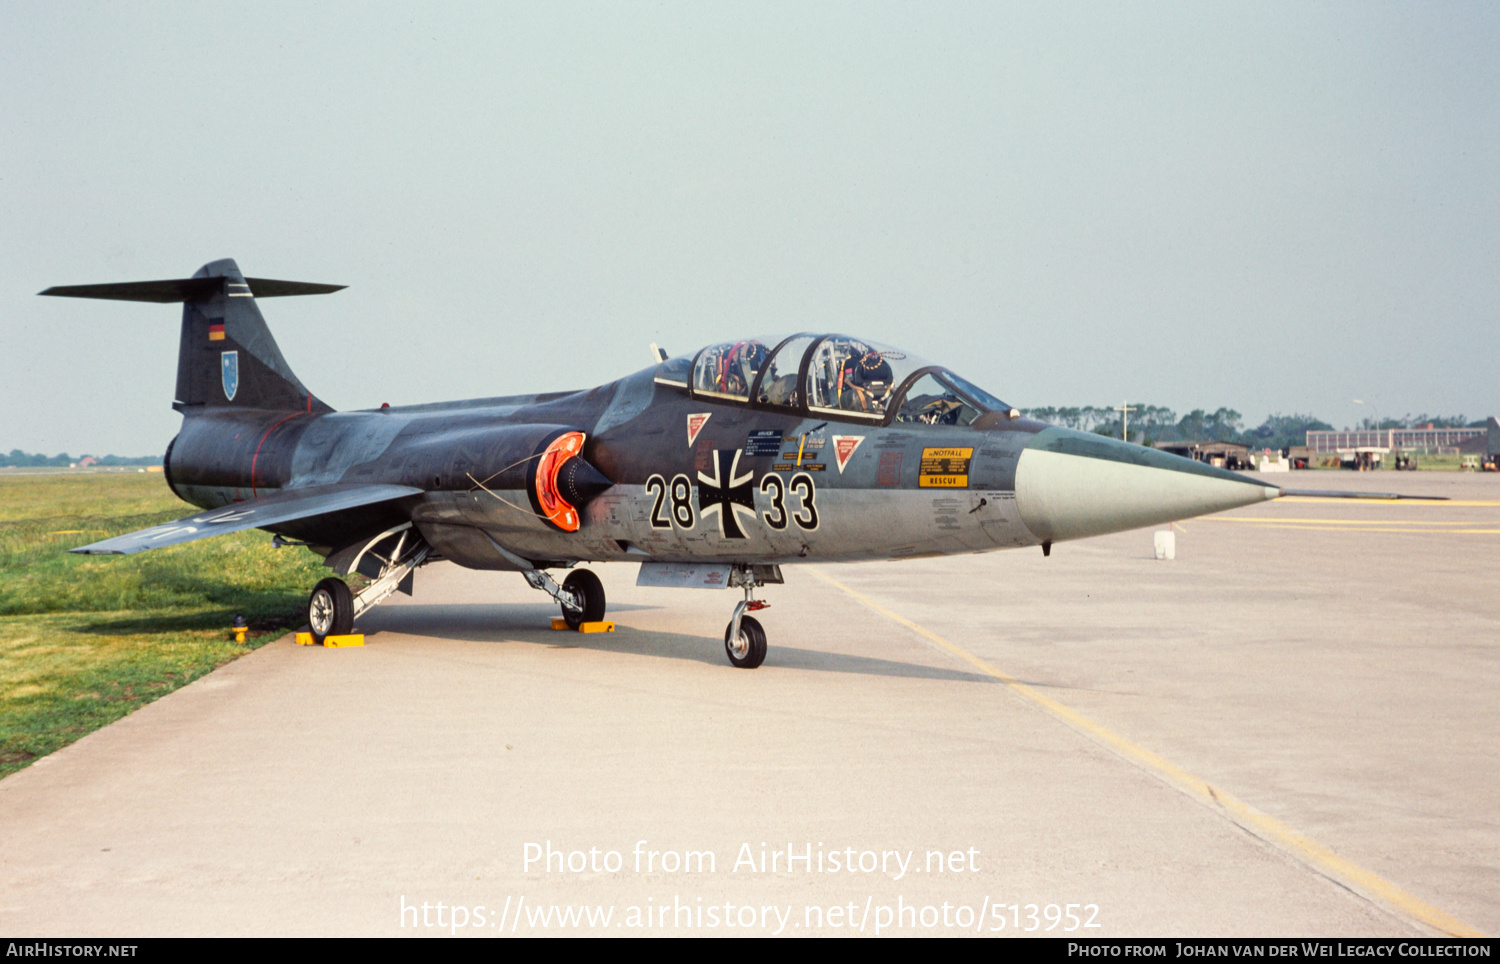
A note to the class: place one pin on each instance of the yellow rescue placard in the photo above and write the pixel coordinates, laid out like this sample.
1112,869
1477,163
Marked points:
944,468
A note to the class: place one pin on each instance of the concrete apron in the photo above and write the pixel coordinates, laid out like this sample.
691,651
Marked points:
311,791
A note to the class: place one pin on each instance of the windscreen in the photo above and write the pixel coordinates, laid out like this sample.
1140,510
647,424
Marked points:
985,400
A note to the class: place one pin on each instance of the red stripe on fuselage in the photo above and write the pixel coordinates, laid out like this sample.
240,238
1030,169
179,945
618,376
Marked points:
256,457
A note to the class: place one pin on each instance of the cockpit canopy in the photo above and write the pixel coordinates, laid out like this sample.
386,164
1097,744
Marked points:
835,375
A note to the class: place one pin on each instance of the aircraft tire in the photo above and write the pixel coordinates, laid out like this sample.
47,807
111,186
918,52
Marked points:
584,583
751,651
330,609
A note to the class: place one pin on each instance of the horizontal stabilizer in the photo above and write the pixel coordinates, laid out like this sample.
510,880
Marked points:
284,506
189,289
1332,494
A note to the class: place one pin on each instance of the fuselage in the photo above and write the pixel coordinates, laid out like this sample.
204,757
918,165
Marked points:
697,478
733,460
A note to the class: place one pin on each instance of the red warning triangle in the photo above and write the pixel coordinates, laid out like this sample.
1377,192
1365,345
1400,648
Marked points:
695,425
843,447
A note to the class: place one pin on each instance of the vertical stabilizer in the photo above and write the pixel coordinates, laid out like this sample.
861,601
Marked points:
226,357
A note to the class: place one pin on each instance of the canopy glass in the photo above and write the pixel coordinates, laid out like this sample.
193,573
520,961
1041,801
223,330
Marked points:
836,375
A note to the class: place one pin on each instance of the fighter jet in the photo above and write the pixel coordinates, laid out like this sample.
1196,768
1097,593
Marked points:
711,469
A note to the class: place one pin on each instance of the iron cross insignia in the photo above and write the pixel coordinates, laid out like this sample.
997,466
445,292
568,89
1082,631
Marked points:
726,493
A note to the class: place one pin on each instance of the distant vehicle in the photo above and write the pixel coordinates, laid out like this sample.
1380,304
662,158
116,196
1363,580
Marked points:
711,469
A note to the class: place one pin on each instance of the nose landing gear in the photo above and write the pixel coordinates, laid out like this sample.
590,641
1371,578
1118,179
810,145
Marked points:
745,643
744,638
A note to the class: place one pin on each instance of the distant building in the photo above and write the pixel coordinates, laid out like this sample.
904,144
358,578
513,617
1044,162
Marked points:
1301,457
1478,445
1225,455
1424,439
1363,458
1487,445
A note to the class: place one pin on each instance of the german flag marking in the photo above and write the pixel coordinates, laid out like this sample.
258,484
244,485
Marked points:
215,332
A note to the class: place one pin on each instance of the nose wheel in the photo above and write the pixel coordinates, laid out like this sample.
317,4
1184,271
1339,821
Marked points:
744,638
745,647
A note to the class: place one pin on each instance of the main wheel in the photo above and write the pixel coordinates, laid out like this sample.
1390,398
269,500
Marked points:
587,588
748,649
330,609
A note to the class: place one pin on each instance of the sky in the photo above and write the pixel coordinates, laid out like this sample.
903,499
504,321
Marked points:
1275,207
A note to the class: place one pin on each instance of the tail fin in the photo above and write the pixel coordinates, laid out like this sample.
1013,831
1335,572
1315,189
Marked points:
226,357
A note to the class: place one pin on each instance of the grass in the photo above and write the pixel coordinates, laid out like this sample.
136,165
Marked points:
84,640
1438,463
1425,463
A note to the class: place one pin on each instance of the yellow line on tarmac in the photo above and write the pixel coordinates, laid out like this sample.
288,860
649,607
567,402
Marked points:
1413,501
1268,520
1290,524
1311,852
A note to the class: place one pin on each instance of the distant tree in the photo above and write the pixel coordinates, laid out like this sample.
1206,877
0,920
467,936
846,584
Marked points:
1225,423
1439,421
1190,426
1085,419
1157,423
1284,431
1148,423
19,459
1152,424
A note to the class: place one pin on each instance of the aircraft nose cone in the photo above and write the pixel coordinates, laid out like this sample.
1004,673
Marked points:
579,482
1071,485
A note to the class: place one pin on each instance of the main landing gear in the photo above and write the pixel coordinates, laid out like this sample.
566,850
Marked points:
744,638
333,607
330,609
582,599
581,595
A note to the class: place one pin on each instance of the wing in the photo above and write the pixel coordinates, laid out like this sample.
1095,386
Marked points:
284,506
